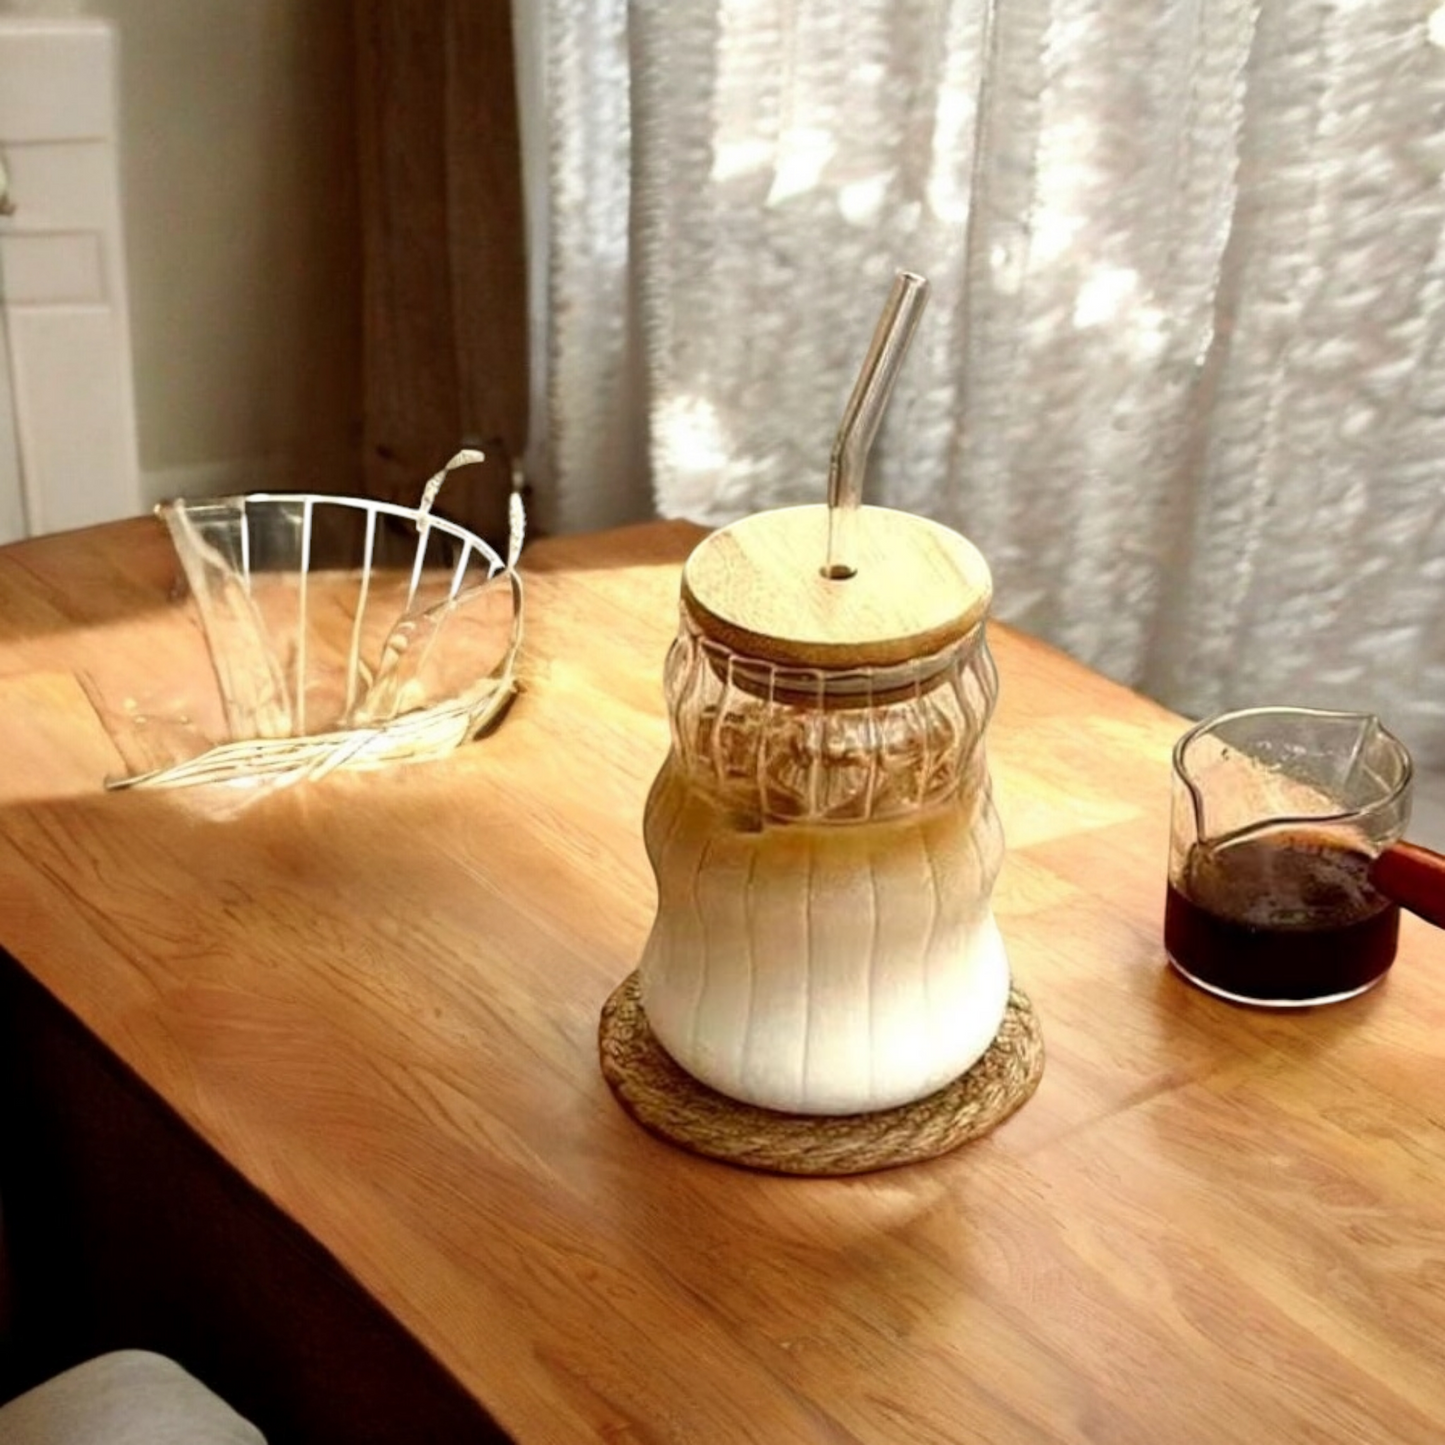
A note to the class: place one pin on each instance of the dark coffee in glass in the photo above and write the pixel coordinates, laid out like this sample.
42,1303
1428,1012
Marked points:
1278,815
1289,918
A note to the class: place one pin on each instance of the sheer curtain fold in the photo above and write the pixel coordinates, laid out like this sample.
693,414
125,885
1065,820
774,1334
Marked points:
1182,375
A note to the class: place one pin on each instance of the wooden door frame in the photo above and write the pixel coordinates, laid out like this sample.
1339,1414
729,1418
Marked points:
444,277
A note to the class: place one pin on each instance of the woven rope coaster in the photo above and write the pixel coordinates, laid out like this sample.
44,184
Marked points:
667,1101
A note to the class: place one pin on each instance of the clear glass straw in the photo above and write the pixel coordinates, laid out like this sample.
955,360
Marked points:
863,413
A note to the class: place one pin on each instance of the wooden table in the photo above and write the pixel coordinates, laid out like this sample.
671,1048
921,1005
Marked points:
377,998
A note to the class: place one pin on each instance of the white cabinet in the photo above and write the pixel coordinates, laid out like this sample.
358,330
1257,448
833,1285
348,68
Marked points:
67,435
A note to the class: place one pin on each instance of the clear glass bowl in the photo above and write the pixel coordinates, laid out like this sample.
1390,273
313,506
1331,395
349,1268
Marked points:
343,632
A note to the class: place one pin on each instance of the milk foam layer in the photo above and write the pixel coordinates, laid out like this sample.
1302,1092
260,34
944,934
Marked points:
821,969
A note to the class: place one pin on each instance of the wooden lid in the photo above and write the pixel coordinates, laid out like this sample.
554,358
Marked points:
758,587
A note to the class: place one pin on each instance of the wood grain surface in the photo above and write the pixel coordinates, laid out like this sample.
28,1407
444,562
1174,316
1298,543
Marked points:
378,996
761,587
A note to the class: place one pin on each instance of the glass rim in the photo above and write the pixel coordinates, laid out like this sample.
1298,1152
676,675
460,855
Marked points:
1345,815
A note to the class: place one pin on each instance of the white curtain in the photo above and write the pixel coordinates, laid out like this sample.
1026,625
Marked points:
1181,377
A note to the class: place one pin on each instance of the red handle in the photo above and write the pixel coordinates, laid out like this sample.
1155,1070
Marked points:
1415,878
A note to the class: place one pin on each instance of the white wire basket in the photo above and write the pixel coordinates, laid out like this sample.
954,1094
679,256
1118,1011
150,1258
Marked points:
344,632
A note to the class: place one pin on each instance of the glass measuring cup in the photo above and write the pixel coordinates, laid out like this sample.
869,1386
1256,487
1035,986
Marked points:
1279,817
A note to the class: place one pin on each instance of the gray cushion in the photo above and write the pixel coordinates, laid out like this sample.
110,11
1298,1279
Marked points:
131,1397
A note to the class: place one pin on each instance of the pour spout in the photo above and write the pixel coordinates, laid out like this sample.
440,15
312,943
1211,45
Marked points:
863,413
